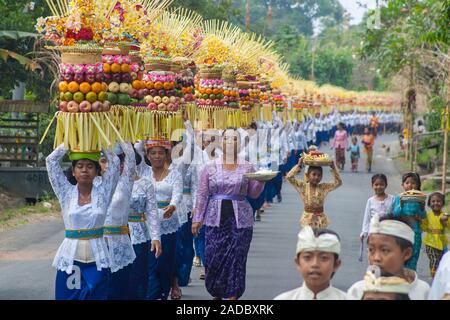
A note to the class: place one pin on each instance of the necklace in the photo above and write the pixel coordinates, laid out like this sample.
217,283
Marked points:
161,175
82,200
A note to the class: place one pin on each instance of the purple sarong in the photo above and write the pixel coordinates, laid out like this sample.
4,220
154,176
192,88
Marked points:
226,258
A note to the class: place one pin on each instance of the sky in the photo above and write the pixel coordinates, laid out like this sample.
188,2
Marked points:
355,10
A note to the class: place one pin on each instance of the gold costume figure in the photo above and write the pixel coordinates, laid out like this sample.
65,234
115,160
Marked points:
313,200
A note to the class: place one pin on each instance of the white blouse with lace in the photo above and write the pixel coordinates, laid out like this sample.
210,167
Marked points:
143,201
190,183
89,216
170,189
119,245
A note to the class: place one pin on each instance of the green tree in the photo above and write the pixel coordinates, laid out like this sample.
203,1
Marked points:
18,40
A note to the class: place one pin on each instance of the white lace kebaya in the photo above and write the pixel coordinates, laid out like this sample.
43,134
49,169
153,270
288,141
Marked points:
190,183
90,216
143,202
169,192
116,231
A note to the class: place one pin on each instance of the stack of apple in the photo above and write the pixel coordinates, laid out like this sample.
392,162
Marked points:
209,92
246,101
279,101
264,93
231,94
162,95
185,85
254,93
81,88
296,103
117,70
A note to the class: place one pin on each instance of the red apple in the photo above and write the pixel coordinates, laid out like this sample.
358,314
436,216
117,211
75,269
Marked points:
85,106
72,106
170,107
142,93
63,106
152,106
97,106
162,107
134,93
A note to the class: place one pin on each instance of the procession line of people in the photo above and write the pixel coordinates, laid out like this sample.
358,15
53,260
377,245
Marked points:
136,223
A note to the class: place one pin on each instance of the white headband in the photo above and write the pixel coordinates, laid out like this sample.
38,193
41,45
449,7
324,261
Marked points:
307,241
373,282
391,228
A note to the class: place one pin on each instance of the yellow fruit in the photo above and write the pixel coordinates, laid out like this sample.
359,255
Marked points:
73,86
106,68
63,87
115,68
125,68
85,87
97,87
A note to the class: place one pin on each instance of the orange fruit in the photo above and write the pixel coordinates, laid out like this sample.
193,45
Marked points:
63,87
85,87
97,87
208,91
73,86
226,92
125,68
115,68
215,91
167,86
149,85
106,68
159,85
104,86
137,84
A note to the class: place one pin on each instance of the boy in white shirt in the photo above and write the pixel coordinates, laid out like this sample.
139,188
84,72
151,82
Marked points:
317,260
389,245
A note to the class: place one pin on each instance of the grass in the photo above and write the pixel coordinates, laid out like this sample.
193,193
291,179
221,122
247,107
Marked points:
18,216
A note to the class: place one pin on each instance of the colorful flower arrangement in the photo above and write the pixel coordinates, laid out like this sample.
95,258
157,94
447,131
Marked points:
73,22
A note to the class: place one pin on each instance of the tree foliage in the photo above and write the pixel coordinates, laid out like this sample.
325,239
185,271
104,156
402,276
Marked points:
17,41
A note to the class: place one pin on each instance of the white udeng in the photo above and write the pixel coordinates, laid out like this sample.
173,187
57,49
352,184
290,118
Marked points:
89,216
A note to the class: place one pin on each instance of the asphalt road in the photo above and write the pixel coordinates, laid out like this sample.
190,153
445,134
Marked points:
26,253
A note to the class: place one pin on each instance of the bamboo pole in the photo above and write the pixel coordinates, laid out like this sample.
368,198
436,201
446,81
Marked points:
445,155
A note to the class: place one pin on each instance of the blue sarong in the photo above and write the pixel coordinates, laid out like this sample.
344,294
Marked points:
199,245
153,280
258,202
137,289
165,266
184,253
84,283
118,284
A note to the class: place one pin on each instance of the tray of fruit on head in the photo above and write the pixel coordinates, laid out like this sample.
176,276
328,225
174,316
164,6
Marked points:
262,175
316,158
413,196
